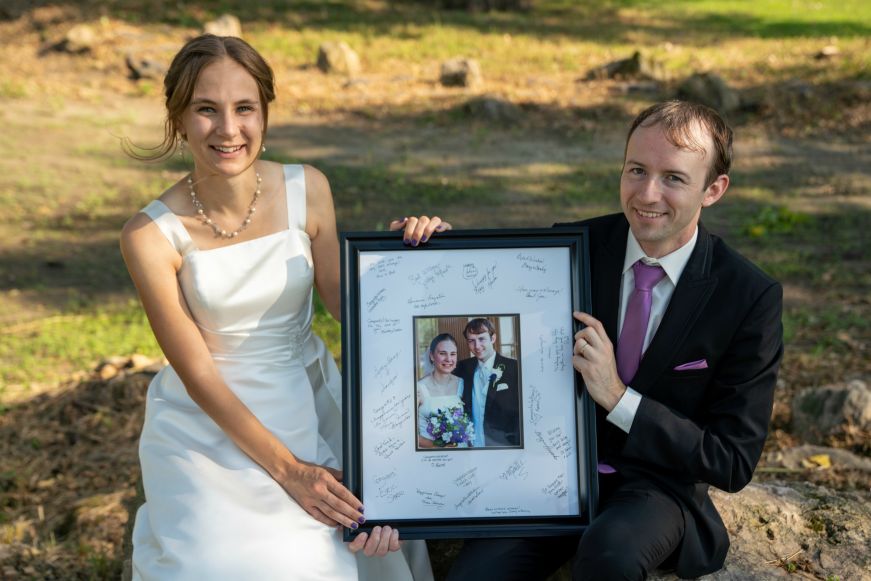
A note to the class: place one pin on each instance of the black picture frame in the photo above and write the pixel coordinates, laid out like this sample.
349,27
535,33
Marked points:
548,267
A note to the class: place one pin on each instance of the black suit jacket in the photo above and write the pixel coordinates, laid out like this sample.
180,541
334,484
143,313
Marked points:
502,410
700,427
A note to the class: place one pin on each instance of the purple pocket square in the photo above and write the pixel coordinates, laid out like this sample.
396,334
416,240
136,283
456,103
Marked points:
700,364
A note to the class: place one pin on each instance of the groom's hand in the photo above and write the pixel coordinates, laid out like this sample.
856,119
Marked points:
419,229
379,542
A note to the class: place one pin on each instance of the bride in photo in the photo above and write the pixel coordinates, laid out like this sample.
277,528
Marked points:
439,390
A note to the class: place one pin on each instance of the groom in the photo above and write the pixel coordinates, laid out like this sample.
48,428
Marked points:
491,393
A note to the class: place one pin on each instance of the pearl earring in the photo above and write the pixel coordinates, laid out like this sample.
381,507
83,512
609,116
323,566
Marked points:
263,149
181,145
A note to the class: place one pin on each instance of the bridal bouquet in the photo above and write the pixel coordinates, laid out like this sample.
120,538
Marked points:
451,425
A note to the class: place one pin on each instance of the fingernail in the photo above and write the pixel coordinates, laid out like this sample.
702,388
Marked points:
361,509
361,520
414,242
406,241
440,227
404,218
354,525
423,239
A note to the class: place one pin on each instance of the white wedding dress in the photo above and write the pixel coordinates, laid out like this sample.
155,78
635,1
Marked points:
211,512
430,404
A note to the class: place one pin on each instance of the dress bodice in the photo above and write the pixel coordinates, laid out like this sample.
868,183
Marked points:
251,299
430,404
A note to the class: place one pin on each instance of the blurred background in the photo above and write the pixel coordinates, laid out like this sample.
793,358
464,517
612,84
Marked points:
489,113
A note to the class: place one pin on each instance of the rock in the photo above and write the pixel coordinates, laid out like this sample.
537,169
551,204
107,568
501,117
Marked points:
634,67
107,371
144,68
827,411
78,40
338,58
709,89
460,72
821,532
797,457
139,361
226,25
827,52
493,109
155,366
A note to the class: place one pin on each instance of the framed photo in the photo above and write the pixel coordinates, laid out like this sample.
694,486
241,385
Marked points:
463,415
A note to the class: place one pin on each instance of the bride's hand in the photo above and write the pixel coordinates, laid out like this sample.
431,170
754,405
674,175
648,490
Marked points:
379,542
319,491
419,229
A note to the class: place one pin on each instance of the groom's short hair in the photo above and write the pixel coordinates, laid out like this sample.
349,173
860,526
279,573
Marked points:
478,326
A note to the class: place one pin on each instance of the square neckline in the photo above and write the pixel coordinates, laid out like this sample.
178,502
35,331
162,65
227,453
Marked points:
287,206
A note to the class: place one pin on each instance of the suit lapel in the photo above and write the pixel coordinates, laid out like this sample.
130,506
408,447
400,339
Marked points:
690,296
607,273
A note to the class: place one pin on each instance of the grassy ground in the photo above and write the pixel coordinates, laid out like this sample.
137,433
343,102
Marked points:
393,142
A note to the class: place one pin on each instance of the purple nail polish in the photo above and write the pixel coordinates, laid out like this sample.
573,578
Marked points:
361,509
361,520
406,241
414,242
354,525
423,239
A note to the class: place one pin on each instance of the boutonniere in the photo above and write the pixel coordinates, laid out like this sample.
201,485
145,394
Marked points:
496,375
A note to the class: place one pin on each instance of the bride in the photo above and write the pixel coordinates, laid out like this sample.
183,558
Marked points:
241,445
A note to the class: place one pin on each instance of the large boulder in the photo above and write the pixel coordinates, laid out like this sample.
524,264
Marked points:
79,39
338,58
460,72
777,530
711,90
820,412
637,66
144,67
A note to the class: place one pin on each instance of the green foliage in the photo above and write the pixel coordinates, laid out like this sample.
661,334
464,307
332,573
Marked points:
46,350
776,220
12,89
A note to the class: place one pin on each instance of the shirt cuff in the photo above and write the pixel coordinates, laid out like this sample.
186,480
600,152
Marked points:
624,412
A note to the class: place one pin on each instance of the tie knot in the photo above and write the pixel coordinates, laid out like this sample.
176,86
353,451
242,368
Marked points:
647,275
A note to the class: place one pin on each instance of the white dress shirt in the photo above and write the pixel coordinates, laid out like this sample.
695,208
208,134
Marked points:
673,264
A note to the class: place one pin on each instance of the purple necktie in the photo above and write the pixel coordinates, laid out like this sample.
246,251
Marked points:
635,322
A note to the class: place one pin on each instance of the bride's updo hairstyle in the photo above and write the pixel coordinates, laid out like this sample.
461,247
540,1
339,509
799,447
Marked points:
180,80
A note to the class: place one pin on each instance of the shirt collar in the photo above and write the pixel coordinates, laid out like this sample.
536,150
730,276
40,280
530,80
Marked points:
488,364
673,264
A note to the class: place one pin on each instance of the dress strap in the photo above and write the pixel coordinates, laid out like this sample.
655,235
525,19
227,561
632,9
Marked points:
171,226
294,184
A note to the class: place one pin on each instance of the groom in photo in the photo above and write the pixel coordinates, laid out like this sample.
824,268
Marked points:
491,393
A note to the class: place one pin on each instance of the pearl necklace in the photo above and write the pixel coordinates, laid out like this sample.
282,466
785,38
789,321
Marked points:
201,212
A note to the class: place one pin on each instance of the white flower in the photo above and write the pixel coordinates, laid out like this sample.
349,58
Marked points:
497,373
447,436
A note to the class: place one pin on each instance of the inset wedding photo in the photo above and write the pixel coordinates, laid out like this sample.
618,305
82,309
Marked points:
468,382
